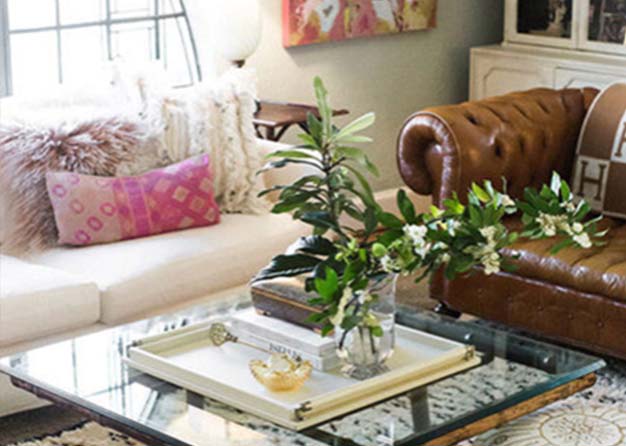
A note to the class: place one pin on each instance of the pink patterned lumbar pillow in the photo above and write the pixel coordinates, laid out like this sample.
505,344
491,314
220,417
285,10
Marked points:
90,209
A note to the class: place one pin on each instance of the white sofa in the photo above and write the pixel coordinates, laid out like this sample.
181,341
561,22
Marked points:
67,288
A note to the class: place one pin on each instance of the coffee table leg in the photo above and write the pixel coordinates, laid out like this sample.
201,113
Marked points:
514,412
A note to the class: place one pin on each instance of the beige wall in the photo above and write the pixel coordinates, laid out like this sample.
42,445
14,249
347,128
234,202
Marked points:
390,75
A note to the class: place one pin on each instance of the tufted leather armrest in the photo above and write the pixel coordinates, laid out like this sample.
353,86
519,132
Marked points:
522,137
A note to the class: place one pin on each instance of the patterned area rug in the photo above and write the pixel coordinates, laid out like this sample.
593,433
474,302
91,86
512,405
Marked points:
90,434
596,417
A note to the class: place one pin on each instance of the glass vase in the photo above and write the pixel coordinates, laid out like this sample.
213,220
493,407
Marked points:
365,349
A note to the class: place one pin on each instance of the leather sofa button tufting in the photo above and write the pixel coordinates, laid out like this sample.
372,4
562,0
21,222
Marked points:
570,316
600,324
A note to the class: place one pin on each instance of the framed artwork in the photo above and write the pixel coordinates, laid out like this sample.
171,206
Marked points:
307,22
542,22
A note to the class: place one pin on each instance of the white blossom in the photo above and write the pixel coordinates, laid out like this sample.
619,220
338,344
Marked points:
507,201
491,262
577,228
338,317
486,253
365,297
551,223
489,232
453,225
387,264
445,257
422,250
583,240
416,233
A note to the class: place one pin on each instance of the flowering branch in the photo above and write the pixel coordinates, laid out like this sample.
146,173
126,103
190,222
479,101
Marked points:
461,237
344,266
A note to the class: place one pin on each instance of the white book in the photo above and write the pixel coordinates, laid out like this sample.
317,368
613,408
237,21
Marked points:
323,363
284,333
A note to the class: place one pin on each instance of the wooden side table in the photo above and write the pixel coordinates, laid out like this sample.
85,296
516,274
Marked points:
274,118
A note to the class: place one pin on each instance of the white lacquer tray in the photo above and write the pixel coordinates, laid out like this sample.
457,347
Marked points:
187,358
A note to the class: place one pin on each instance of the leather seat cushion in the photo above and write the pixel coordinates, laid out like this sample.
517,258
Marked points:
599,270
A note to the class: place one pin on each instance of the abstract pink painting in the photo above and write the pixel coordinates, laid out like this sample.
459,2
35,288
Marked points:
314,21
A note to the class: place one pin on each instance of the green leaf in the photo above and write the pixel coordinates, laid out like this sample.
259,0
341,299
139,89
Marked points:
292,153
292,202
582,210
475,217
561,245
377,331
527,209
326,329
357,125
321,94
315,318
320,219
279,164
352,153
454,206
370,220
315,128
356,139
566,192
365,185
313,244
309,140
405,205
287,265
390,236
480,193
328,285
390,221
350,322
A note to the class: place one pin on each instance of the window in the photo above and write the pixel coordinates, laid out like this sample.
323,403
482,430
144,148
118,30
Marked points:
47,42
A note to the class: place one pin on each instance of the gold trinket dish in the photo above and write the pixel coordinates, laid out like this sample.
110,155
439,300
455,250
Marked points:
281,373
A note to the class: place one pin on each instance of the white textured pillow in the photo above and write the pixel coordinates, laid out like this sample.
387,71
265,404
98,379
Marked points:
215,118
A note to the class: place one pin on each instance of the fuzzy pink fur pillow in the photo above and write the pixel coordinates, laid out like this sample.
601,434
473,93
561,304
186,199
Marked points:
90,209
27,152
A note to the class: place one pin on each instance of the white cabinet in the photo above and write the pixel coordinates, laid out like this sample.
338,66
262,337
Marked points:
570,78
501,69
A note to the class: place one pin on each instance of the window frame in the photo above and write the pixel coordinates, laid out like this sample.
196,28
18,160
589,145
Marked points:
107,24
5,50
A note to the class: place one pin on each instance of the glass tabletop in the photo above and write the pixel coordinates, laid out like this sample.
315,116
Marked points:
89,372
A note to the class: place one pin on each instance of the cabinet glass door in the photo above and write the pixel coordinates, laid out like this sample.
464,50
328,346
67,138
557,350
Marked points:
541,22
603,25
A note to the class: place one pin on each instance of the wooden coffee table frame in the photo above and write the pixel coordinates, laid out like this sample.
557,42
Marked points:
447,438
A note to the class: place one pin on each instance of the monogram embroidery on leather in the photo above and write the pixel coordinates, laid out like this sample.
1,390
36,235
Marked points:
585,179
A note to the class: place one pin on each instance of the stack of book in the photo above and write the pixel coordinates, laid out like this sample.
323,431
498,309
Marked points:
281,336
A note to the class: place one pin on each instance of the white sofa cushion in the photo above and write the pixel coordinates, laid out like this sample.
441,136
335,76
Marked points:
137,276
36,301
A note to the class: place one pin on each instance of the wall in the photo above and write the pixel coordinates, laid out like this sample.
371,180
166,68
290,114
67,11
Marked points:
390,75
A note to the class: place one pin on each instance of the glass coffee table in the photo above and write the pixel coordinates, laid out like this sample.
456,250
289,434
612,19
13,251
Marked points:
518,375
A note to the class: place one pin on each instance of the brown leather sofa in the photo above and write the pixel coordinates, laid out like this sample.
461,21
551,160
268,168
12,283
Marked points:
577,296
